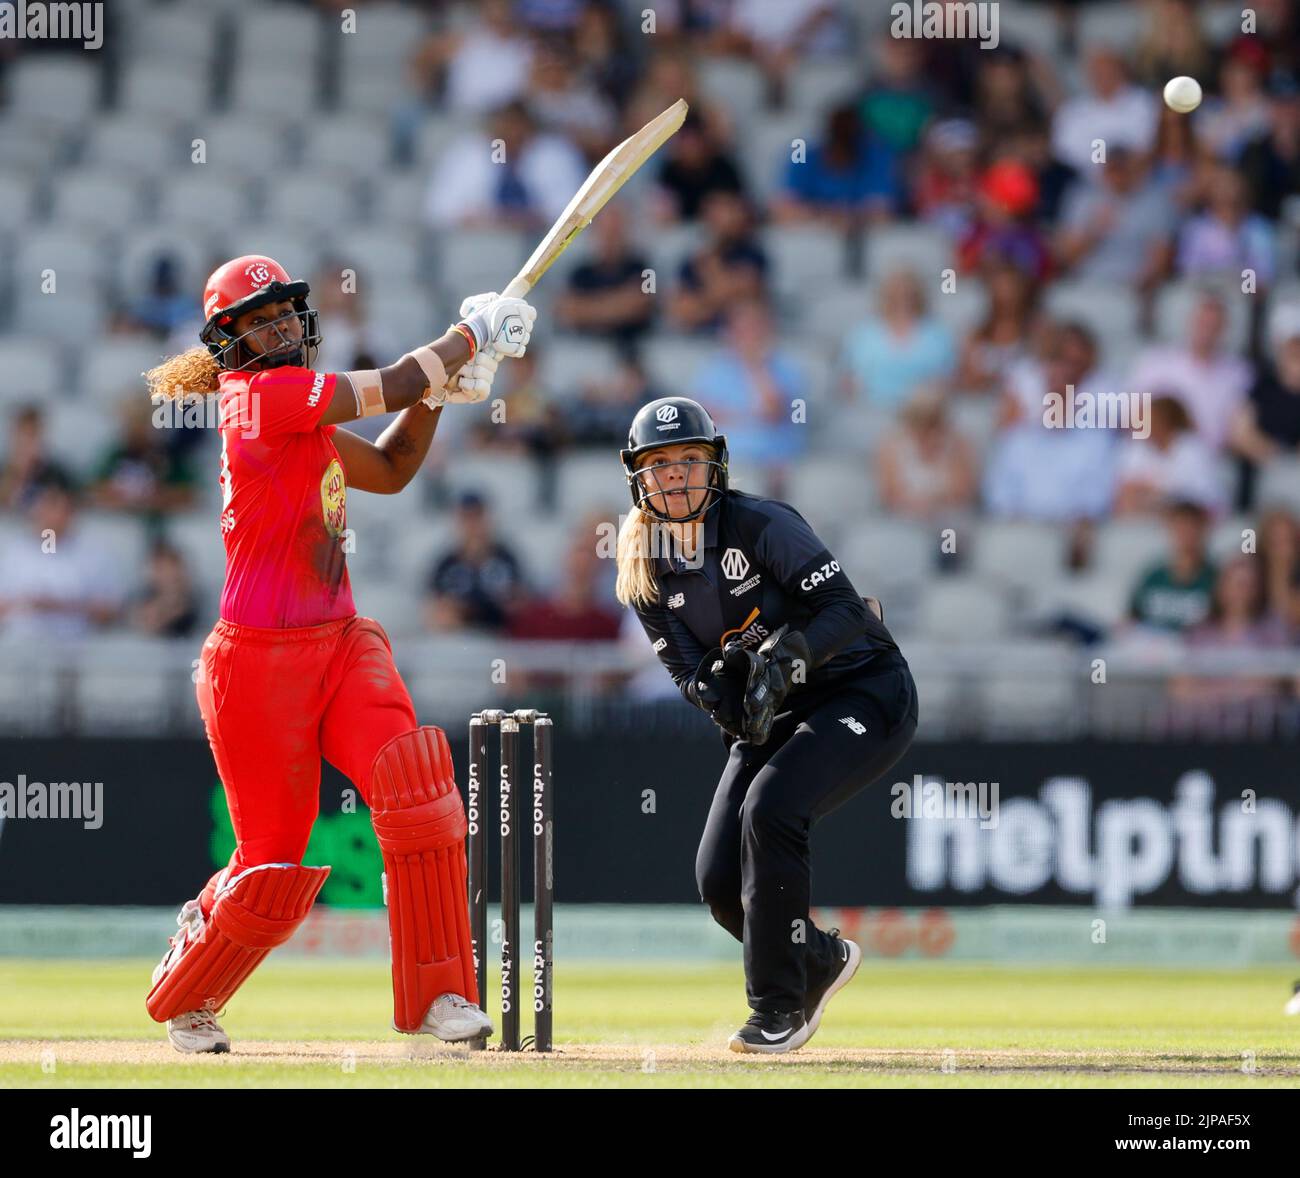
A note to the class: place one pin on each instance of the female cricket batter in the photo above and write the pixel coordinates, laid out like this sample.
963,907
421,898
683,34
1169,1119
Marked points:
291,673
759,626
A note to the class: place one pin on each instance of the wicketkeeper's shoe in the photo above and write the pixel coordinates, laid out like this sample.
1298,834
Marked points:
1293,1007
771,1033
849,957
197,1031
454,1019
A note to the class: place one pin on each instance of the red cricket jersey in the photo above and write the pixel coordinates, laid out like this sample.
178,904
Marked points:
283,501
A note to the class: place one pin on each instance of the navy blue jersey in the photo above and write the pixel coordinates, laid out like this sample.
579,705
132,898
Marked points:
761,566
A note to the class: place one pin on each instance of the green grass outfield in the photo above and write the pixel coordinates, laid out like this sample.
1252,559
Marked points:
323,1024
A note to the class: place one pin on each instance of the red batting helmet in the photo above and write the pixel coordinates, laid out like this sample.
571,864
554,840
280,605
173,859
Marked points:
243,285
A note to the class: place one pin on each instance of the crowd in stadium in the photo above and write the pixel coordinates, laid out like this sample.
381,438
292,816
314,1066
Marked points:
866,255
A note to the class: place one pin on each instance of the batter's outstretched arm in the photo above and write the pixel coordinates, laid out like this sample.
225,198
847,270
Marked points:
401,384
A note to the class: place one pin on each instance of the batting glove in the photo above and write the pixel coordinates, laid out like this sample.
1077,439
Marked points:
505,324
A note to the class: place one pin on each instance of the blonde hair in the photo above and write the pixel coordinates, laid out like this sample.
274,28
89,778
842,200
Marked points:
636,584
192,372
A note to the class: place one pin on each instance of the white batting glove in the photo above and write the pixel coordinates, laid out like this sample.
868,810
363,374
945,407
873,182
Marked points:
472,383
505,324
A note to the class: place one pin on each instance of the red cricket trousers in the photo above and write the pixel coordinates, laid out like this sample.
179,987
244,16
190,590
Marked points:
274,702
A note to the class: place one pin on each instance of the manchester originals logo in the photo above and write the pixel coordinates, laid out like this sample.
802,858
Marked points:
735,564
666,413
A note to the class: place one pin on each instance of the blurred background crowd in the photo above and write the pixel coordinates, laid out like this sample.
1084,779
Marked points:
870,257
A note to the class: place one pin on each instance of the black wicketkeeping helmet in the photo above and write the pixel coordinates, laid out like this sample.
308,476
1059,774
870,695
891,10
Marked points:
672,421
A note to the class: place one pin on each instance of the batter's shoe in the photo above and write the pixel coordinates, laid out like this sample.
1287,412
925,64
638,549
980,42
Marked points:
849,958
194,1031
771,1033
197,1031
1293,1007
454,1019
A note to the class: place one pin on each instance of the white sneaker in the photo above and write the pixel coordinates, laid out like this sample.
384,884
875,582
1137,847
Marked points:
197,1030
1293,1007
454,1019
190,920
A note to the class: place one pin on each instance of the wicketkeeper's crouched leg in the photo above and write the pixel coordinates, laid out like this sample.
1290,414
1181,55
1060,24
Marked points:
419,820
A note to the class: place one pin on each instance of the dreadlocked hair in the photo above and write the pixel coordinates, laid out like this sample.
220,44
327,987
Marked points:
192,372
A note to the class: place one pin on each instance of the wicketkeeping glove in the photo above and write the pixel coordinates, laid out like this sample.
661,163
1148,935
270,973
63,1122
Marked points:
719,691
770,672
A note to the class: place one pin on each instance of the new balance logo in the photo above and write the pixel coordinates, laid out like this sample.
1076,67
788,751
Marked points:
677,600
854,726
658,646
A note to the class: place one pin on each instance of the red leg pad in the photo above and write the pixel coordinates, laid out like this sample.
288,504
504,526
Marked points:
419,821
253,912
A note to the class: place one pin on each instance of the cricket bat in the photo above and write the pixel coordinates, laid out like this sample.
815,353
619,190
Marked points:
606,178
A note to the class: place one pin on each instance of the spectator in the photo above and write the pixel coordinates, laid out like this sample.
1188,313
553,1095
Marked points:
1240,111
1172,462
749,388
529,184
890,355
1004,231
601,414
167,305
355,340
59,581
1113,110
1209,379
603,56
1068,360
696,166
944,191
1031,147
898,103
1118,231
1176,159
1239,619
670,74
1172,45
28,463
580,609
479,69
1005,337
478,582
1268,422
1226,238
140,472
606,295
1007,100
1271,161
1037,472
554,17
166,605
1279,549
925,467
729,267
567,104
780,36
848,179
1176,594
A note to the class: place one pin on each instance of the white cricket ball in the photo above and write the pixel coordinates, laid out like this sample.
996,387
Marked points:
1183,94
